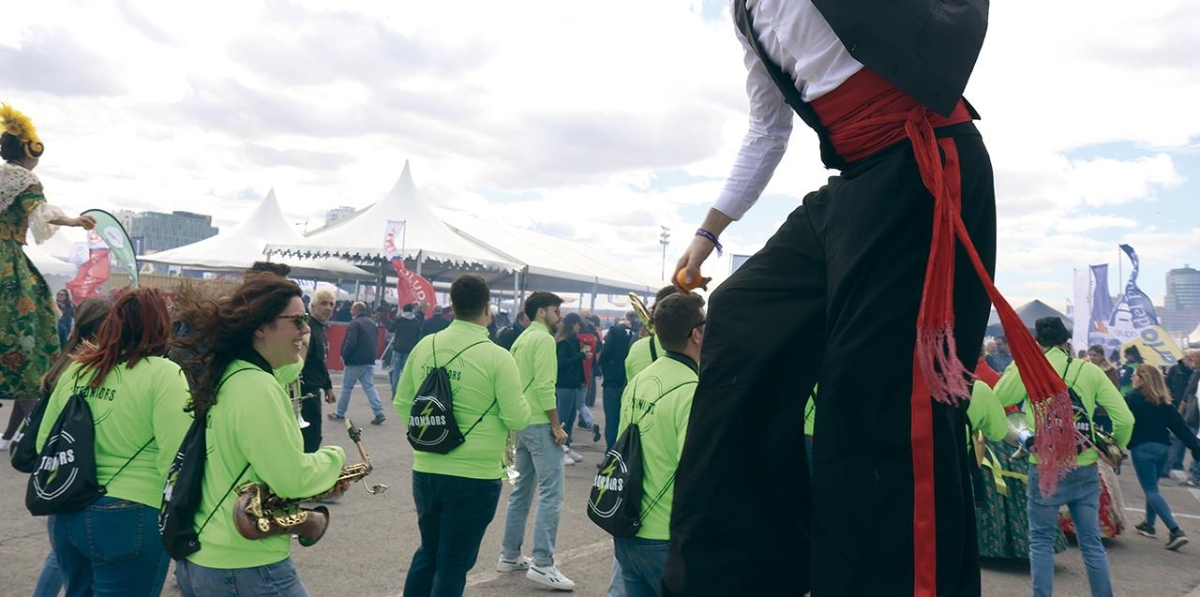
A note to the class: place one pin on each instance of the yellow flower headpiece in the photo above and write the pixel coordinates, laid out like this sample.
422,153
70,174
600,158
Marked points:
20,126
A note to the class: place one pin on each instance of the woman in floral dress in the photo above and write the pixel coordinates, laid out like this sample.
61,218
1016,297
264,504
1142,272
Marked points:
28,332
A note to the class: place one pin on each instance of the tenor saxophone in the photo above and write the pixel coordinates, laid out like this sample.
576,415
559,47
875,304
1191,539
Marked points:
260,513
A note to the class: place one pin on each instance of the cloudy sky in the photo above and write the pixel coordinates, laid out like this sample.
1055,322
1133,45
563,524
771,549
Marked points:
597,121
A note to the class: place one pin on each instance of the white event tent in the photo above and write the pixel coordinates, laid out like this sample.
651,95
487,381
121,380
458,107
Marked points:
237,248
552,263
56,271
429,247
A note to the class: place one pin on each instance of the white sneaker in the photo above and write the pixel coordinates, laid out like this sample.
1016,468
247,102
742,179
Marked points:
4,445
521,563
567,461
574,456
550,577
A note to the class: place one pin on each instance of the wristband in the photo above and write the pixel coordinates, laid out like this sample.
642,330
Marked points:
711,238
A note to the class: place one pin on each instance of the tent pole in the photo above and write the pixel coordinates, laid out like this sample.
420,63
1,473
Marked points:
595,289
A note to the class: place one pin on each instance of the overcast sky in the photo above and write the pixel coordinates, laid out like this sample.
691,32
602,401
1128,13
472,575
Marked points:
597,121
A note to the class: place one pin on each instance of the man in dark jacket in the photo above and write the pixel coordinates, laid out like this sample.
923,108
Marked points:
612,364
406,330
358,354
314,378
509,334
434,324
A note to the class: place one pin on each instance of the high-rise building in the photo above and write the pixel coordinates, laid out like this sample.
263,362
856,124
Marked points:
339,213
1181,309
155,231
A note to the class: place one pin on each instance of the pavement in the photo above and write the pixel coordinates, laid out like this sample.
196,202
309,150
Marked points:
371,539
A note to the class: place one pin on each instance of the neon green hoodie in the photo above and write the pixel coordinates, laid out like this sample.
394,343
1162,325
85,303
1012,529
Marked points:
1089,382
639,356
659,399
537,360
133,406
483,379
253,423
985,412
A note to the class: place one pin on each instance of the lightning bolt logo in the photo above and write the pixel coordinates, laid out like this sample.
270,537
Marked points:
607,474
424,415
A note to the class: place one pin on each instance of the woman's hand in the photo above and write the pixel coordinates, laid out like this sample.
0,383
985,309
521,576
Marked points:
84,221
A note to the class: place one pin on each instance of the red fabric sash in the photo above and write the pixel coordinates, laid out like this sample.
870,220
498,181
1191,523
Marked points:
864,115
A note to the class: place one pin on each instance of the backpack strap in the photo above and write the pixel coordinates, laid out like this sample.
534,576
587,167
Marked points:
660,397
653,352
135,455
222,500
456,355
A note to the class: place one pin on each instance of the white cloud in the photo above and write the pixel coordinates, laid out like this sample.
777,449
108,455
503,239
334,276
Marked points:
575,113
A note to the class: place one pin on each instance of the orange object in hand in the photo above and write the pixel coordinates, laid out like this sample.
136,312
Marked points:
682,283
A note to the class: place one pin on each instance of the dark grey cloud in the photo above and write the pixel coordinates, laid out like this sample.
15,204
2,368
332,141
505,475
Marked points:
298,158
51,61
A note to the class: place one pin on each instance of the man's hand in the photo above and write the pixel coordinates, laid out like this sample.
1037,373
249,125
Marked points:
329,397
560,436
690,264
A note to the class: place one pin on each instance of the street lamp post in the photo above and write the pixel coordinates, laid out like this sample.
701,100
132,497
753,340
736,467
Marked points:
664,239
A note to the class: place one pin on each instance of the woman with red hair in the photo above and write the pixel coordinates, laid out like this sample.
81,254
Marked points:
137,399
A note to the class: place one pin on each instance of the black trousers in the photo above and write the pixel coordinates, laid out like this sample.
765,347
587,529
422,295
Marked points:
832,298
311,411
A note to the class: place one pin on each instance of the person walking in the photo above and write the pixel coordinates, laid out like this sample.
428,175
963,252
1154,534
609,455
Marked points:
1155,419
1079,489
539,451
314,377
137,401
569,389
406,330
359,348
456,493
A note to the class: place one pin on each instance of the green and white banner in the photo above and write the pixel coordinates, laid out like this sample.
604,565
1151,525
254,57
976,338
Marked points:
110,230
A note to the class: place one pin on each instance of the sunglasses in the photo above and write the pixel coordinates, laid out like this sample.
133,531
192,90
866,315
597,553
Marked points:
701,324
300,319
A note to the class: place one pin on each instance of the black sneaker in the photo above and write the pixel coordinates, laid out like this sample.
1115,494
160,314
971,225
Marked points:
1178,539
596,433
379,419
1145,530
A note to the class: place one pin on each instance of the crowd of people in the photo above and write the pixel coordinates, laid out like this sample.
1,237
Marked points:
897,251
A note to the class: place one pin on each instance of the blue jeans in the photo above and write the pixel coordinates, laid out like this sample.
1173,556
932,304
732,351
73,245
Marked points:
278,579
612,415
1080,491
616,584
50,581
453,513
363,374
642,564
539,460
110,548
398,360
568,401
1148,459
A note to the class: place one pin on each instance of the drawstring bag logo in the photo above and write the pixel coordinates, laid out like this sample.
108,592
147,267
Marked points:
64,480
432,426
609,486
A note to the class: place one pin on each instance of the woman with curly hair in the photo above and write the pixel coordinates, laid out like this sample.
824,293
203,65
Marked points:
237,346
28,333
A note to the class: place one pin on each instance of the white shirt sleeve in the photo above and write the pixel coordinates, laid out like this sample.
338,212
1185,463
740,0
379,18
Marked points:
765,141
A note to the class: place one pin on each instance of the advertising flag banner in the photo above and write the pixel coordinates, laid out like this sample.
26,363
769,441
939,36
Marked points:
1134,322
91,276
1081,315
393,240
412,288
110,231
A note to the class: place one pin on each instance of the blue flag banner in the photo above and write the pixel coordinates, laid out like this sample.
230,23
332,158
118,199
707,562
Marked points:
1102,310
1133,322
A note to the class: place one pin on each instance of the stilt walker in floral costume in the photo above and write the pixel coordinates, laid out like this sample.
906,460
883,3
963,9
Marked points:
28,336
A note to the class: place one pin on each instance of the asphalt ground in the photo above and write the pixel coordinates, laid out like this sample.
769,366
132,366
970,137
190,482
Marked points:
371,538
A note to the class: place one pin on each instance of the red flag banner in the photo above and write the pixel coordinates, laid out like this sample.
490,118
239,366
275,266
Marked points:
92,274
412,288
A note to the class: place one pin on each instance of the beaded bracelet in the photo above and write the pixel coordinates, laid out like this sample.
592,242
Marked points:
711,238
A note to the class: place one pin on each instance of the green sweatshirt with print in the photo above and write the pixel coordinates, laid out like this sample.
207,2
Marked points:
536,354
659,399
1089,382
253,424
484,382
639,356
133,406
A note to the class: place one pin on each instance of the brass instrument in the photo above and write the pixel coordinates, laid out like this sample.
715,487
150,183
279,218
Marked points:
260,513
510,458
293,390
1105,444
643,313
